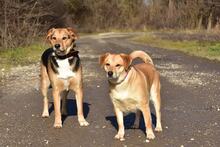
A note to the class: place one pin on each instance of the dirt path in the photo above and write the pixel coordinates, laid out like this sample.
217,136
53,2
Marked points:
190,98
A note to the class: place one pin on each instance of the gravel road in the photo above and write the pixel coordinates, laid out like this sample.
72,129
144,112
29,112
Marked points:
190,102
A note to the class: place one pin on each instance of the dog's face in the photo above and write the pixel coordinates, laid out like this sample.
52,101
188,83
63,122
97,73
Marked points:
116,66
62,40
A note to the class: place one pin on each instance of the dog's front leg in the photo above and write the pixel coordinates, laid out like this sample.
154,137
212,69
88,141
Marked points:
120,120
45,113
56,98
79,103
45,82
137,119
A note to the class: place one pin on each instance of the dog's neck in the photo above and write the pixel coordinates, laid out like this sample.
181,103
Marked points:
72,57
72,53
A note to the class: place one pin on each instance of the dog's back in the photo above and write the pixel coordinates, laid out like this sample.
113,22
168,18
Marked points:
147,67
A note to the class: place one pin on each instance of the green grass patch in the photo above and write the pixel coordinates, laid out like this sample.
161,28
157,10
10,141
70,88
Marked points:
207,49
21,55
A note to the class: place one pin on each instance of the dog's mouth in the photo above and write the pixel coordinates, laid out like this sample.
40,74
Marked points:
63,52
116,78
112,79
60,53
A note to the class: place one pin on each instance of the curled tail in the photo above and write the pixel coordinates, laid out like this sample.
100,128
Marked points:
142,55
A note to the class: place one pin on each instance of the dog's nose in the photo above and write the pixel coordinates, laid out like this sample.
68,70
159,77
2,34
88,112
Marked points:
110,73
57,46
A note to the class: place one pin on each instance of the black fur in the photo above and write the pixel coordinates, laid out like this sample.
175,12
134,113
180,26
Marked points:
49,57
46,55
54,64
75,61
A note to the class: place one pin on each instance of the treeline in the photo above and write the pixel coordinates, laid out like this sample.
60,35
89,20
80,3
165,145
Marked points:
22,20
137,14
190,14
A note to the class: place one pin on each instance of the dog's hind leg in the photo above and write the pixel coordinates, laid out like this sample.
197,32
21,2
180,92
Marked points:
45,83
145,108
155,97
137,119
64,102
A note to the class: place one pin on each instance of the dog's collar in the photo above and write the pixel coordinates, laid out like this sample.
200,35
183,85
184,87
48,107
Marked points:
72,53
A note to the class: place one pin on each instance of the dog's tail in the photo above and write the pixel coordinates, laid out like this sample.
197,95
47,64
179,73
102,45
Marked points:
142,55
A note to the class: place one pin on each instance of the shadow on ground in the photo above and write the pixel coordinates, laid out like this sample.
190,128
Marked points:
129,120
72,109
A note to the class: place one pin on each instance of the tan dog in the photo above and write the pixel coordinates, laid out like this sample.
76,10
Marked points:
131,88
61,68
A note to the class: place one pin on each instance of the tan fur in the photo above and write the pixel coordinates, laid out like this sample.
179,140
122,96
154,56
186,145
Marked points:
131,88
142,55
65,37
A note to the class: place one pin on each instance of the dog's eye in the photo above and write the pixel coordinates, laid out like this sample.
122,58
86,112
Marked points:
107,64
118,65
64,38
54,38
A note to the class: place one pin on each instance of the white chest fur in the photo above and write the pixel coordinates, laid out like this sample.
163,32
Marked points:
121,95
64,69
124,100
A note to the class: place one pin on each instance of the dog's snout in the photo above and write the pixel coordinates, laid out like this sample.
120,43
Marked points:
57,46
110,73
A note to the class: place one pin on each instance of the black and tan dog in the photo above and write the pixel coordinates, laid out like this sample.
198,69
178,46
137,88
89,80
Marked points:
61,68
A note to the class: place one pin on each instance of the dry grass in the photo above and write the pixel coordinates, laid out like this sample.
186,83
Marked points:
207,49
21,55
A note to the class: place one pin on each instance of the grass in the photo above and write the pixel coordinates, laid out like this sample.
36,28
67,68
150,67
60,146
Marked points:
24,55
207,49
21,55
31,54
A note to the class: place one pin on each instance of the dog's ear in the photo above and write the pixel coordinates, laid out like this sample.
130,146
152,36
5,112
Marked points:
127,60
49,33
72,33
102,59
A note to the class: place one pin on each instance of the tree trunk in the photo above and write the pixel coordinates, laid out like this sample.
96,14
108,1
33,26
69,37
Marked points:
217,26
5,26
209,26
200,22
171,8
210,18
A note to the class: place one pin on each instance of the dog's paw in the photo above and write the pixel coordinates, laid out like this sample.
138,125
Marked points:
83,123
150,135
45,115
158,129
120,136
57,125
